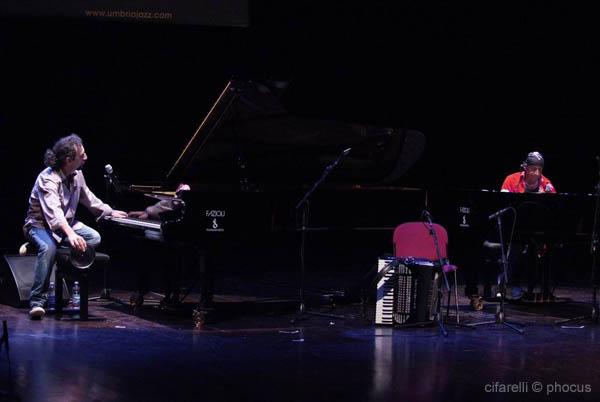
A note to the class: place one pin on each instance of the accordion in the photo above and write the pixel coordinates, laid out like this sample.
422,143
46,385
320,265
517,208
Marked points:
407,293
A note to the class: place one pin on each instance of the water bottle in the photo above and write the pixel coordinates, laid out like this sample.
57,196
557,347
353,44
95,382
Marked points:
51,296
76,296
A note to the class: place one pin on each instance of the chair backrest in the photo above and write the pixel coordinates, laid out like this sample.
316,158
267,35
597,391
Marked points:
414,239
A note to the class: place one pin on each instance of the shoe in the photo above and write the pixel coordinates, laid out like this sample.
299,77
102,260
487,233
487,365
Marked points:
136,301
476,302
24,249
171,302
37,312
171,298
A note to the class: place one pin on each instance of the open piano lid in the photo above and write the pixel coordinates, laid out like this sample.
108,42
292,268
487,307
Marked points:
249,137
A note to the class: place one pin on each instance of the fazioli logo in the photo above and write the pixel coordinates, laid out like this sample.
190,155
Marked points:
215,213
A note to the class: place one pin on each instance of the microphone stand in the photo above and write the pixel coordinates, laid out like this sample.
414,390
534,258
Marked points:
105,294
304,206
500,313
107,187
111,181
594,315
438,315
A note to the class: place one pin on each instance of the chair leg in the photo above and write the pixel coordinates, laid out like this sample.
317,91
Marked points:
448,303
456,297
58,293
83,297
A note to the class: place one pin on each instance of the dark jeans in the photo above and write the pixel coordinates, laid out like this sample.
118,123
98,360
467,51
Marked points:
46,247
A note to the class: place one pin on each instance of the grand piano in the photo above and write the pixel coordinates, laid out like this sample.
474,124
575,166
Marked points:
250,161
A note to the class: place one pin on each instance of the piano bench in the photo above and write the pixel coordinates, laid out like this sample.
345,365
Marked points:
78,266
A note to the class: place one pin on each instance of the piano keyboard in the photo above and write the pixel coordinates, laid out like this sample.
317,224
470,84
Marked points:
136,223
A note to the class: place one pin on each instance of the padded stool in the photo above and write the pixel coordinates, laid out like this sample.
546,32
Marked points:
71,263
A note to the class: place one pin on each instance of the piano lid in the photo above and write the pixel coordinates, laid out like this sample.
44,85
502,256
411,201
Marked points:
248,136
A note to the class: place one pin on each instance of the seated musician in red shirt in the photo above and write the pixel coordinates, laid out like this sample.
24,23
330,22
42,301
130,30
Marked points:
530,179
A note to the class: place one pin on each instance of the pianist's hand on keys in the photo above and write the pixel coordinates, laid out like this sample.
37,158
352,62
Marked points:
119,214
138,214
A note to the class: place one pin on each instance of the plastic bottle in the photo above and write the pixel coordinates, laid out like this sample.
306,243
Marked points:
51,296
76,296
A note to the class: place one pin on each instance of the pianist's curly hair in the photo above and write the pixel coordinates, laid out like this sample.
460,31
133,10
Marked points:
63,148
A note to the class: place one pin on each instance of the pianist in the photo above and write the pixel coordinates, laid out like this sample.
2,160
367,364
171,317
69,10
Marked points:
50,219
530,179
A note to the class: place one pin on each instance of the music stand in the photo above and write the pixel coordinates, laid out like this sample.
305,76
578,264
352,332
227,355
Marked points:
500,313
594,315
304,206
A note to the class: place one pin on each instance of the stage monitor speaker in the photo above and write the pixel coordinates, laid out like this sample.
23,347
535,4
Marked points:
16,278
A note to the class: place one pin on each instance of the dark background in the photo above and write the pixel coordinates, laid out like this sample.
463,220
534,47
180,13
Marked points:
485,83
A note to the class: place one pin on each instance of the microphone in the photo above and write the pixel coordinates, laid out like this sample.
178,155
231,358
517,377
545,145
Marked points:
111,177
344,153
426,215
497,214
327,171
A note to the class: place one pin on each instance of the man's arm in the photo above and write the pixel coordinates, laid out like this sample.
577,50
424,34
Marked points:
98,208
77,242
53,213
510,183
548,186
506,187
153,211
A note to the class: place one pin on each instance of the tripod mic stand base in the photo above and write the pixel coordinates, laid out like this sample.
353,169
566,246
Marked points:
500,320
106,295
303,311
437,320
593,318
458,324
424,324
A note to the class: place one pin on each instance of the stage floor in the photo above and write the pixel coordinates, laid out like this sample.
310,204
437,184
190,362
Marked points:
255,348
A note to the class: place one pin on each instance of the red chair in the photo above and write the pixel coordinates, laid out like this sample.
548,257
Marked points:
416,240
